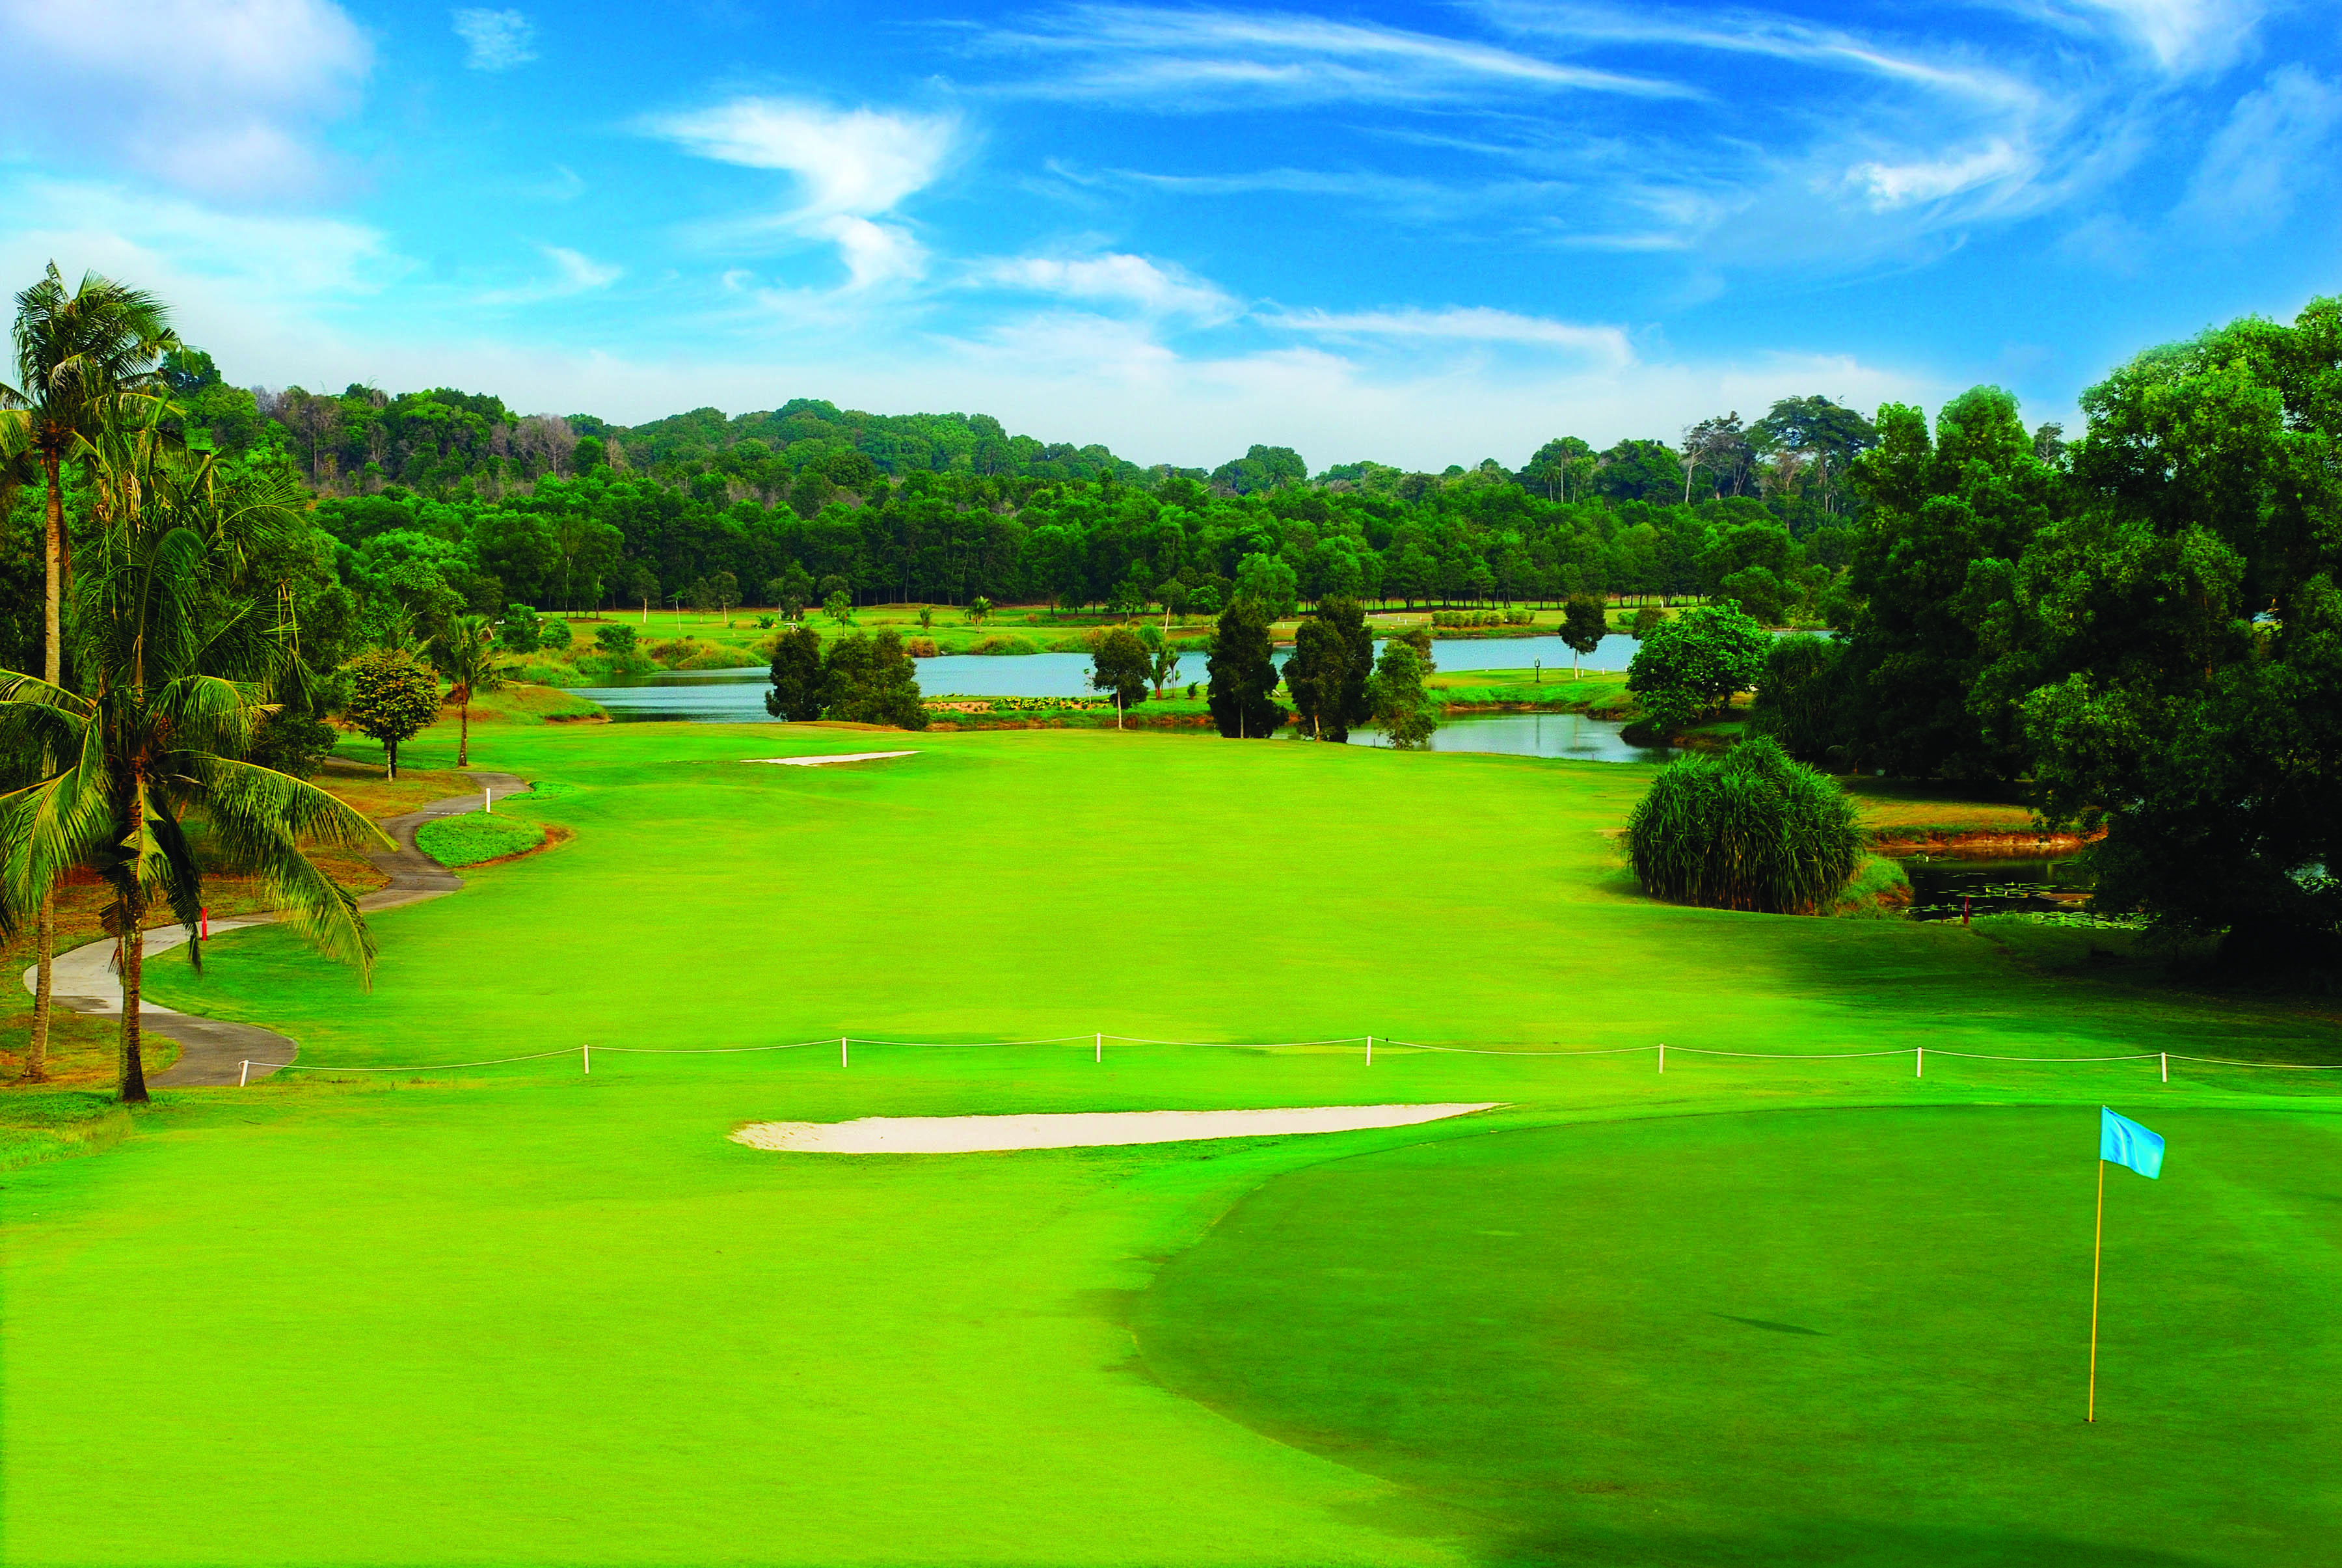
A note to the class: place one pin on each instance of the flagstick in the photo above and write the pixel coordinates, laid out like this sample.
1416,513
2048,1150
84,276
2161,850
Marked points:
2097,1242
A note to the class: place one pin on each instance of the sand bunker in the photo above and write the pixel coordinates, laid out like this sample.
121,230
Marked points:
825,761
976,1134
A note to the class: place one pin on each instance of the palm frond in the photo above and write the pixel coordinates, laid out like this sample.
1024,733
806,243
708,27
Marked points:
260,815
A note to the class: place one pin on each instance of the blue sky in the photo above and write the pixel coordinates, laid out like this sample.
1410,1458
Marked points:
1423,234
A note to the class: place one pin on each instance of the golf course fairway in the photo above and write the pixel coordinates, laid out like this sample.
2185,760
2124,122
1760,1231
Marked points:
1816,1308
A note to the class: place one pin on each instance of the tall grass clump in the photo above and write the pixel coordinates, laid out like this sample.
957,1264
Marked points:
1752,831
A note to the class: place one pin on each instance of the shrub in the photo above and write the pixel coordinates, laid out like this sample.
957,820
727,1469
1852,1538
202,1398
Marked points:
1752,831
616,640
553,634
921,648
1005,645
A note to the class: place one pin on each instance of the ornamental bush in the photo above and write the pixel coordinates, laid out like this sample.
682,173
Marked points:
1751,831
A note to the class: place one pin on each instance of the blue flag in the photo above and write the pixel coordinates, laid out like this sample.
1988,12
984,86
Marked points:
2126,1142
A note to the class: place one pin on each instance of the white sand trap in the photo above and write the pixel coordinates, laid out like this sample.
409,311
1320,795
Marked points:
825,761
1079,1130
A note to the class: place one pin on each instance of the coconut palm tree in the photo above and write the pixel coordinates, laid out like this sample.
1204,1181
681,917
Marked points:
466,655
87,361
173,658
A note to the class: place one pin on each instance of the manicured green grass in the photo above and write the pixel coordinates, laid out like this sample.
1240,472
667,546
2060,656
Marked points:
520,1314
1853,1337
477,836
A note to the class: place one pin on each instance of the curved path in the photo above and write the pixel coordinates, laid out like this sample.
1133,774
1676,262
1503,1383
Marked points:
212,1050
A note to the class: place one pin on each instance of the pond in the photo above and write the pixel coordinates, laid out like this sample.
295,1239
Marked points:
1944,888
737,695
1580,736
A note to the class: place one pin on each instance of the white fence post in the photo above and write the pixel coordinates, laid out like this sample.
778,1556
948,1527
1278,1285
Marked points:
1662,1056
1919,1061
585,1051
1370,1051
841,1050
2167,1067
243,1075
1099,1047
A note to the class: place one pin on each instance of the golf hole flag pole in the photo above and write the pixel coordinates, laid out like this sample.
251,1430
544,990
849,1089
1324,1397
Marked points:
2121,1141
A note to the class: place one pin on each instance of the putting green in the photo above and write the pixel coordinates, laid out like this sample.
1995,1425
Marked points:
520,1314
1851,1337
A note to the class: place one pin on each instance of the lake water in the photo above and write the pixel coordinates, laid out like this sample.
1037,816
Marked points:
1946,888
737,697
1575,735
717,696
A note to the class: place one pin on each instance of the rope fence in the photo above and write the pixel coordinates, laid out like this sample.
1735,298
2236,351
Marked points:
1917,1053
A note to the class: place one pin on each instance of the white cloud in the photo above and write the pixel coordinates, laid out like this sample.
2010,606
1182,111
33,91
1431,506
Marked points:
494,40
2184,36
1605,346
2273,148
1889,186
1151,287
851,169
1188,59
573,274
863,162
219,96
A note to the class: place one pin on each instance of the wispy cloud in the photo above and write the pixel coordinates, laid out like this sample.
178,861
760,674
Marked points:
1204,58
2275,144
1605,346
496,40
853,168
574,274
1153,288
224,98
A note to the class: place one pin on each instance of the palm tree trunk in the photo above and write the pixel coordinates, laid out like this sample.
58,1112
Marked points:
45,941
133,964
464,734
53,667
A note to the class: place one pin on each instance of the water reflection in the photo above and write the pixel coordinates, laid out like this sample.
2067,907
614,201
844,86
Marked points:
1580,736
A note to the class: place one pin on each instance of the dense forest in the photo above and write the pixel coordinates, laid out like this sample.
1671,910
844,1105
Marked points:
437,502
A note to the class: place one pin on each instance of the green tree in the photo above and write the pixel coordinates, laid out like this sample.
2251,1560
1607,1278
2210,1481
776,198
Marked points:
1934,568
1800,697
839,607
979,610
1265,578
795,695
1585,622
1121,664
724,591
160,737
89,366
1690,666
869,679
1397,698
466,655
393,697
2177,662
1647,619
1332,659
1244,674
1162,658
518,632
1317,675
643,587
791,592
1751,831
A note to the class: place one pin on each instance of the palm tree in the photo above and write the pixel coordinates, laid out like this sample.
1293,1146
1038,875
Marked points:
85,359
163,630
466,655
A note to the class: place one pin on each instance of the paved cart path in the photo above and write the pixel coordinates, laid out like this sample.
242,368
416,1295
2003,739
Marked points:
213,1051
